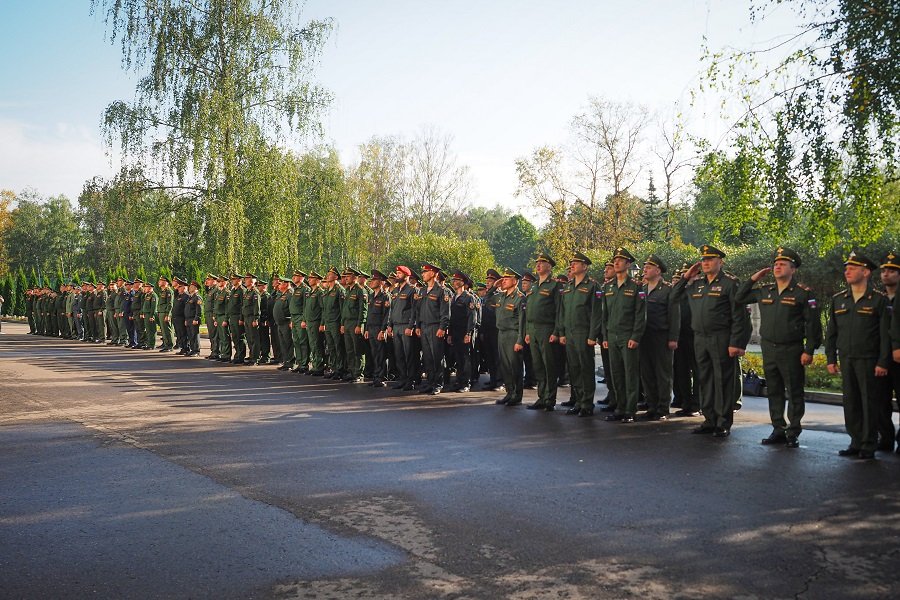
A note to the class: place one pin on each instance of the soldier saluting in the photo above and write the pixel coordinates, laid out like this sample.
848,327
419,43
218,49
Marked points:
790,332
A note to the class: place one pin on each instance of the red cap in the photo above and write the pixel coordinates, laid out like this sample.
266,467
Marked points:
405,270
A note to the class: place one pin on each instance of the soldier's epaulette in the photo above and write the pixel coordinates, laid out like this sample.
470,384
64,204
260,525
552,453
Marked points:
730,275
592,280
842,292
804,287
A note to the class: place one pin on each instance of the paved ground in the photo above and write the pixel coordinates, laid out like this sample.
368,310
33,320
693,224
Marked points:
128,474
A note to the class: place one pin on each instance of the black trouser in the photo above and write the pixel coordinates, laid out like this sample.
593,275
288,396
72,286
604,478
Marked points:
433,355
887,387
79,328
489,358
275,341
265,345
684,370
403,349
462,357
181,335
716,377
608,376
192,338
378,351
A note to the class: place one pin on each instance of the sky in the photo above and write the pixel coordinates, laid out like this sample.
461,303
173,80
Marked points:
501,77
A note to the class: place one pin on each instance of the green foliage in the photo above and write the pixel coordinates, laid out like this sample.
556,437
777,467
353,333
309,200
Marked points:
21,286
514,243
473,257
652,216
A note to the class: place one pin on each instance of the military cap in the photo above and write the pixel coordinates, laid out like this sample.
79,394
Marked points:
129,282
403,269
546,258
164,278
415,275
623,253
262,282
195,284
426,266
221,278
236,276
333,270
210,276
314,275
349,272
528,276
480,285
562,277
609,263
298,273
147,284
110,282
378,275
707,251
136,280
122,279
492,274
782,253
579,257
511,273
890,261
250,276
360,273
459,275
860,260
656,261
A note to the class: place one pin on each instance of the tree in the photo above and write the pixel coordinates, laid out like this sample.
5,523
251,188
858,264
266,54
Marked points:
653,218
21,285
438,187
473,257
669,152
541,180
7,197
514,243
220,76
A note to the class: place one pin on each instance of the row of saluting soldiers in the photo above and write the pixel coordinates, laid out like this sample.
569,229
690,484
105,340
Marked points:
416,329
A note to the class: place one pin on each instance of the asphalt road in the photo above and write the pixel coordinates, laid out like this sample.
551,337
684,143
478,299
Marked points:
130,474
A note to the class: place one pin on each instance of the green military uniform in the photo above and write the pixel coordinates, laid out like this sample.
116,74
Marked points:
579,323
719,321
331,317
209,300
164,316
540,325
112,323
312,316
510,318
100,298
624,318
281,315
235,302
858,338
59,307
250,314
790,326
354,310
663,327
221,311
70,319
149,307
118,310
299,337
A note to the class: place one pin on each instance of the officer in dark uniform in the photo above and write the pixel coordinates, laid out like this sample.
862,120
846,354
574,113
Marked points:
164,313
432,323
684,367
562,367
858,335
526,283
398,328
415,354
220,304
209,301
790,332
579,324
609,400
354,311
281,316
299,337
332,299
275,340
541,337
178,317
510,337
250,313
463,317
624,317
312,322
193,316
888,386
377,317
488,337
719,322
660,339
235,328
265,318
128,311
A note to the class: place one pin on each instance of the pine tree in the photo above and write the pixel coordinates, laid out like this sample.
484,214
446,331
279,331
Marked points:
651,223
22,284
